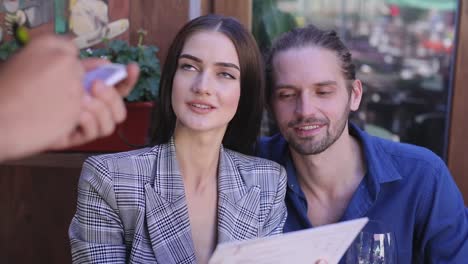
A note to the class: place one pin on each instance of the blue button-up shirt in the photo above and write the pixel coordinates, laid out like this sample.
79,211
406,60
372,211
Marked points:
407,189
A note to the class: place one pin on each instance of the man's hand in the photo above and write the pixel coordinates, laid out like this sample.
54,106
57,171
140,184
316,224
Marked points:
103,109
40,96
43,104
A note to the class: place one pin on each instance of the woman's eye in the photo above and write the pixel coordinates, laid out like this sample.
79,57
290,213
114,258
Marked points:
188,67
227,75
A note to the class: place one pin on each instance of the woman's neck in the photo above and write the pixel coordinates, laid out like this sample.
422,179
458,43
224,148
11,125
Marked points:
198,157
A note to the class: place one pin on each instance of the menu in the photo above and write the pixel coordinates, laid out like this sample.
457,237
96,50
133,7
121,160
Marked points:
328,242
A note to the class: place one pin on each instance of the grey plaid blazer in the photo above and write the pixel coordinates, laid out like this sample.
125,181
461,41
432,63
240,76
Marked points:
132,208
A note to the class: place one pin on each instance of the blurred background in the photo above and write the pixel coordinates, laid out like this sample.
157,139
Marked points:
412,56
403,50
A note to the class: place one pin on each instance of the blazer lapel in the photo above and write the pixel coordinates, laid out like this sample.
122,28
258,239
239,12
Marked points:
238,205
166,211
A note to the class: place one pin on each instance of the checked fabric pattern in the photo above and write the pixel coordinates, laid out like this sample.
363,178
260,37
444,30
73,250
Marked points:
132,207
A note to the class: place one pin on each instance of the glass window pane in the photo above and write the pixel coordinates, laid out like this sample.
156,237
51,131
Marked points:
402,50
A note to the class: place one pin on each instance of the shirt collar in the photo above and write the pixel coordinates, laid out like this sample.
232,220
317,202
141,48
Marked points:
293,184
379,166
380,169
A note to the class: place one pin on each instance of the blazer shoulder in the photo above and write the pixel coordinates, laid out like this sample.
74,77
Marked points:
132,154
252,162
256,170
110,166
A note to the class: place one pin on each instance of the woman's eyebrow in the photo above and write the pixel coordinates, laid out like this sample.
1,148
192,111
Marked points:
190,57
228,64
222,64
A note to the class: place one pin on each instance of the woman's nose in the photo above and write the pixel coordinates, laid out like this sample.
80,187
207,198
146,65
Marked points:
202,84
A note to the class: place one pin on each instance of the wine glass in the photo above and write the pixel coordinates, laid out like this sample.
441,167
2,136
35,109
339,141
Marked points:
375,244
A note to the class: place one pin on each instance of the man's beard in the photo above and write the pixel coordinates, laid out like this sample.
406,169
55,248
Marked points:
307,146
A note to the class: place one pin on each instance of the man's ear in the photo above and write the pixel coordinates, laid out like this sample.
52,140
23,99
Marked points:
356,95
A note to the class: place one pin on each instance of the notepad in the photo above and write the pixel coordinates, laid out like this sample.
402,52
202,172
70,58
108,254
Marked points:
328,242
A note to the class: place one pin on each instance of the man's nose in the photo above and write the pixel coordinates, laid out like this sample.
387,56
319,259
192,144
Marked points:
305,106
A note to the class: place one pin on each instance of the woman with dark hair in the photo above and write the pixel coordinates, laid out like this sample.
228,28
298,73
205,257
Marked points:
196,187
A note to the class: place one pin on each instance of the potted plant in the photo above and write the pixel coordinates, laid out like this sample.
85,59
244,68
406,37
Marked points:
7,49
132,133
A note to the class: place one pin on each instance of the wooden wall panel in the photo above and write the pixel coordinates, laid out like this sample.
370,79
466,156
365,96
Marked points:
206,7
16,220
161,19
37,203
54,204
240,9
458,142
120,9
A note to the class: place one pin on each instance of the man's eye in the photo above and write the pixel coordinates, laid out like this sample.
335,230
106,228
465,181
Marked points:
226,75
323,92
286,95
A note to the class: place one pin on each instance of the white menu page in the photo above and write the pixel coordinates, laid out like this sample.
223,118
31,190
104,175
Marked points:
328,242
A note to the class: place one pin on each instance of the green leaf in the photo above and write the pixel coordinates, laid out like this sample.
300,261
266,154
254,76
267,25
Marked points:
7,49
153,85
134,96
269,22
119,51
118,46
